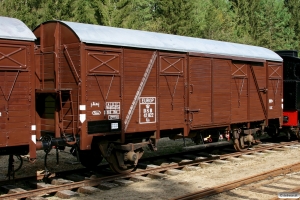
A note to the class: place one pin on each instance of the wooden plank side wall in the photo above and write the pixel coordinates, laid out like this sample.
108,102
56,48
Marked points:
239,92
171,91
135,65
48,63
221,97
16,113
200,91
275,90
103,83
16,98
256,108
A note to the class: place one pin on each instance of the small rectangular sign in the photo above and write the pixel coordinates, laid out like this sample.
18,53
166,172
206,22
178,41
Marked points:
111,117
147,110
82,107
114,126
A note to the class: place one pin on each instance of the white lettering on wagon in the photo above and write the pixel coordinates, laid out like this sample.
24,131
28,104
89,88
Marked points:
95,104
147,110
112,117
113,109
96,112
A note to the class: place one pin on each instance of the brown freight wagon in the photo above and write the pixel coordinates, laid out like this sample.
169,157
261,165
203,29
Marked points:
17,88
118,90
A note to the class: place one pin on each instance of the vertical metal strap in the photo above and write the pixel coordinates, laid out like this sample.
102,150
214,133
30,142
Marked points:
240,90
107,90
275,90
8,97
172,94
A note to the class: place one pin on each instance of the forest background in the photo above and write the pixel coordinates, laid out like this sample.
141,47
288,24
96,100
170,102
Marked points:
273,24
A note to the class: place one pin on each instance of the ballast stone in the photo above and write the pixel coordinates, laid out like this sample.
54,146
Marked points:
88,190
66,194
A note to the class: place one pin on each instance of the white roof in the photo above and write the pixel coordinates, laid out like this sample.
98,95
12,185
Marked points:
14,29
105,35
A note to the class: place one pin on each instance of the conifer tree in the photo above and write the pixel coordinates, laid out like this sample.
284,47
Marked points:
214,19
293,7
175,16
272,30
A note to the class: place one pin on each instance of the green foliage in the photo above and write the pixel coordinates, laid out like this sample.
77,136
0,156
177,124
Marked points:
82,11
268,23
263,23
273,31
293,7
25,10
174,17
214,19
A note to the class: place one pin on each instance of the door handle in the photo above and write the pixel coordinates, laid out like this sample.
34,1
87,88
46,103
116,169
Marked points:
192,87
264,90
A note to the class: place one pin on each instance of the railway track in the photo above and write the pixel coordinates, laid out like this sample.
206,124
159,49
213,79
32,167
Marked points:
70,183
255,187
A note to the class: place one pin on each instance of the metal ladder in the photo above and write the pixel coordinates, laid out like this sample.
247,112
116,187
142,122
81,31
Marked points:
66,114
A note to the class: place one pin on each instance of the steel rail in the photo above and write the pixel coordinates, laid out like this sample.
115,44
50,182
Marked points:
234,184
267,147
97,181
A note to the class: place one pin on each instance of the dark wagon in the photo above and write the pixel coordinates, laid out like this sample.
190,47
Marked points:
108,92
291,94
17,88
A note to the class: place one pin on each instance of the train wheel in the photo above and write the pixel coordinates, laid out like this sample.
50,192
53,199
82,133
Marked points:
114,165
238,145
